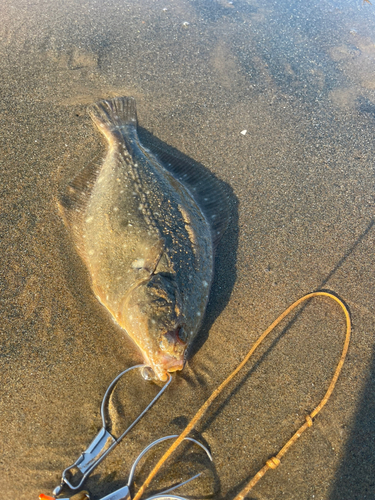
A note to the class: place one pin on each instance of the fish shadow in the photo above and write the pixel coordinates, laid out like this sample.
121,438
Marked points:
226,252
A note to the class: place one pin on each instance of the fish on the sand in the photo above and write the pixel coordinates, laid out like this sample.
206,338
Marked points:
146,227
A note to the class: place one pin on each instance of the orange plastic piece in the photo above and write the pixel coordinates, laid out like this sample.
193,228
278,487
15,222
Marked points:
42,496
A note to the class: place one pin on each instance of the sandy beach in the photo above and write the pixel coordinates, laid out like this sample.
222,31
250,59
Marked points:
298,78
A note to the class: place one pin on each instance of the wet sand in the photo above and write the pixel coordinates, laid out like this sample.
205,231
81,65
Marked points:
299,79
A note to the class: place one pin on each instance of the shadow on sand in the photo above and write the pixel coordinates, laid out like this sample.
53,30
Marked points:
355,478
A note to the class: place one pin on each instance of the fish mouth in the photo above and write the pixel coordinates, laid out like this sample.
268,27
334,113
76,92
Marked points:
166,364
171,355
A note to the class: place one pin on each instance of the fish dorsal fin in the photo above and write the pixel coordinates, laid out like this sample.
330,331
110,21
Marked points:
204,187
72,202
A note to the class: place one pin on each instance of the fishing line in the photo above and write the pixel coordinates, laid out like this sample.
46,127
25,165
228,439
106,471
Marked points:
273,462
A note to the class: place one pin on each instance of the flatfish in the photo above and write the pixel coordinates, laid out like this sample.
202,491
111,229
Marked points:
146,226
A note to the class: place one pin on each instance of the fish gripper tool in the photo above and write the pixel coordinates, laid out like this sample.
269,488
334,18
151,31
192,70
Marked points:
104,442
124,493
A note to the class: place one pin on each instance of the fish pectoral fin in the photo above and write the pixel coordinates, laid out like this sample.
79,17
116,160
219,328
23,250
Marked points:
154,255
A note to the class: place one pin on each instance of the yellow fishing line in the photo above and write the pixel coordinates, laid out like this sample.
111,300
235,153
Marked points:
273,462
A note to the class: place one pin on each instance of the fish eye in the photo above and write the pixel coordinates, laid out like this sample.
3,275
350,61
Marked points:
182,335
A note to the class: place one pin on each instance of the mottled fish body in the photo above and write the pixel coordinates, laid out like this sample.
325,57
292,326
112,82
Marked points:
145,238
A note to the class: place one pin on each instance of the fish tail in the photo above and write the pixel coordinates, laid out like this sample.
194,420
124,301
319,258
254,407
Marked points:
113,115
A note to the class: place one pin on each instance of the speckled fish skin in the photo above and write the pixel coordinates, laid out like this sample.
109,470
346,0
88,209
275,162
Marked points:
144,239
